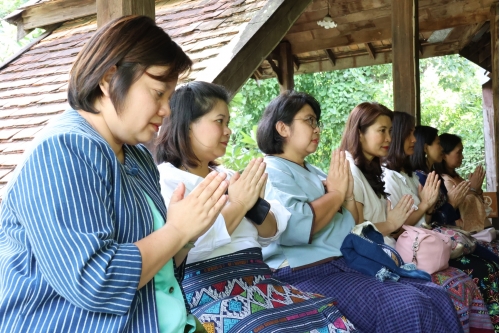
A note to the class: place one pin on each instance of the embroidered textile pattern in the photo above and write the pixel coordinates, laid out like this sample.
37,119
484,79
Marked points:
230,297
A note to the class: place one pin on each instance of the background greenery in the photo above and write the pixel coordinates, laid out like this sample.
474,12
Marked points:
451,99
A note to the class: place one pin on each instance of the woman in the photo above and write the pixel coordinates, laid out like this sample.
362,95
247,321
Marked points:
227,284
84,243
307,254
481,265
472,209
400,179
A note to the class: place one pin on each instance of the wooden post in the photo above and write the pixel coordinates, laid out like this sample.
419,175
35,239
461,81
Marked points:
405,55
494,77
285,63
108,10
490,140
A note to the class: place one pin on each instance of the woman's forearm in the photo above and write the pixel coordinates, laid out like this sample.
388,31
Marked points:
325,208
269,227
157,249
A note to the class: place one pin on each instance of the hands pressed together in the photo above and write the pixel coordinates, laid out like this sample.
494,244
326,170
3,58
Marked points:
339,178
194,214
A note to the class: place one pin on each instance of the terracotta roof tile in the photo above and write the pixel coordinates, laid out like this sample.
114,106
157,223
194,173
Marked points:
33,87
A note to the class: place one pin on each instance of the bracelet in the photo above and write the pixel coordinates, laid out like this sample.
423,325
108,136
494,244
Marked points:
351,198
189,245
472,189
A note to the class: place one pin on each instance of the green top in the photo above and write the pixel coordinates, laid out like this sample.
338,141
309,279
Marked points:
170,308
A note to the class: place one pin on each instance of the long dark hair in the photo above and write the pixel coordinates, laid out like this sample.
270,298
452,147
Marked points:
361,117
448,142
187,104
402,125
132,44
425,135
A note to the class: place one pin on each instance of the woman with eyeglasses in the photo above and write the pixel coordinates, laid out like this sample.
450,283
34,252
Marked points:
227,284
323,212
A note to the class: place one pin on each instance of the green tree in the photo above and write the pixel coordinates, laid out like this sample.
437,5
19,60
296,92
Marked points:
8,32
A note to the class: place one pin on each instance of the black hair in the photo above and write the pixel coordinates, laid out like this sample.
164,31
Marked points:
425,135
187,104
282,108
402,125
448,143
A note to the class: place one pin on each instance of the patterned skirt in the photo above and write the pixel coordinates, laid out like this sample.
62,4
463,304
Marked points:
236,293
409,305
467,299
484,273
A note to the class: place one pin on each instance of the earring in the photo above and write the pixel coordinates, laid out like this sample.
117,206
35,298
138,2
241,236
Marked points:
425,155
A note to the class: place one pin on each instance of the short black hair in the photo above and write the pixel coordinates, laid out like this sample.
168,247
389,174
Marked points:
187,104
282,108
425,135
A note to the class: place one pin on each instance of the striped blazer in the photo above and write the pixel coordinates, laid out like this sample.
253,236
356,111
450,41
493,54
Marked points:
68,221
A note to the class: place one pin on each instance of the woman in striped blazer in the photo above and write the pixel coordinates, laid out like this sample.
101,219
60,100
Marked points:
84,246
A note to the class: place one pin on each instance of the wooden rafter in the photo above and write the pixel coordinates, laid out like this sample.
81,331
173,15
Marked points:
331,56
363,59
52,12
263,33
370,50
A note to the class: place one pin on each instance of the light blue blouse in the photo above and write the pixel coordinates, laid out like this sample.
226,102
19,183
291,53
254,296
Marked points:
295,187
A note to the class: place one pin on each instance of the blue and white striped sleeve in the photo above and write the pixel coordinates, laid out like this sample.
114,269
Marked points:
63,199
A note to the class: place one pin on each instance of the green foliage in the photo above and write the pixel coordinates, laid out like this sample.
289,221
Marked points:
8,32
451,101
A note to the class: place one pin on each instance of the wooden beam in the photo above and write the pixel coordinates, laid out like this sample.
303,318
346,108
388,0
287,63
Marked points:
285,61
275,68
238,60
48,13
108,10
494,74
405,53
331,56
362,60
296,62
490,139
370,50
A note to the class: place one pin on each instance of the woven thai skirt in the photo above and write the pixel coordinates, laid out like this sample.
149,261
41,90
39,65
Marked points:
409,305
467,298
236,293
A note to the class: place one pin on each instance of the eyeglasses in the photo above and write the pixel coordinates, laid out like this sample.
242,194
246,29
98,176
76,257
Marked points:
313,122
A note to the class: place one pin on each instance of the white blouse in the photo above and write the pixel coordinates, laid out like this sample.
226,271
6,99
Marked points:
398,184
374,207
217,241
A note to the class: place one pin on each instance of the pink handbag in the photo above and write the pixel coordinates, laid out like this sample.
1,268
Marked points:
428,250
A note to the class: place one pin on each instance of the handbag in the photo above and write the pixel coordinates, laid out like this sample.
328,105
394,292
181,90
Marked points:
462,241
428,250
